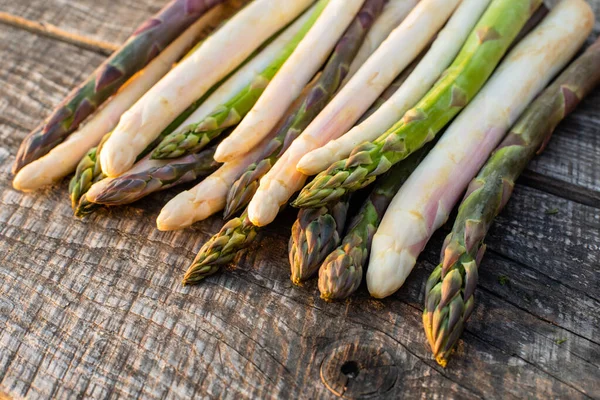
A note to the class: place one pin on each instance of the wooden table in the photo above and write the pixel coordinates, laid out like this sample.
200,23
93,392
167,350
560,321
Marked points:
95,308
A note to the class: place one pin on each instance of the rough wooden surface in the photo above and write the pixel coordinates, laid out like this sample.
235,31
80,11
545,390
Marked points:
95,309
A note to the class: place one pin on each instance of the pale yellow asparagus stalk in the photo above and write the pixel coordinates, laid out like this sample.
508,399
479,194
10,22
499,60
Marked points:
294,75
247,73
411,37
424,202
442,52
209,196
393,14
220,54
63,159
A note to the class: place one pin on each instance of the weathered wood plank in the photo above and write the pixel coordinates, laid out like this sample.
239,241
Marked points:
95,307
107,20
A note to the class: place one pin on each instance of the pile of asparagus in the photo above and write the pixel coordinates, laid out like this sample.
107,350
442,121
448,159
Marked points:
356,92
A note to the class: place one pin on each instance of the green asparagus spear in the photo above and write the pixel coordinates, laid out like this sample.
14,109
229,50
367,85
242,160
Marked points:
342,271
196,136
315,234
478,58
310,103
449,291
132,187
145,44
236,234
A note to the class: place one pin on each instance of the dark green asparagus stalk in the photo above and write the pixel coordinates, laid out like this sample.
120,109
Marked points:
449,298
478,58
312,101
145,44
221,249
315,234
132,187
342,271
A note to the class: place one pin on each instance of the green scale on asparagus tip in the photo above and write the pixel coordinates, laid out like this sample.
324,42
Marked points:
342,271
141,48
221,249
309,104
195,137
479,56
132,187
449,298
315,234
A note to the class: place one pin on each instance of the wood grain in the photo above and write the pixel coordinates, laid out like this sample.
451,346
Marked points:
95,308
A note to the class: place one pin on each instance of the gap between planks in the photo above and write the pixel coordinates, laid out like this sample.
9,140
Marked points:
53,32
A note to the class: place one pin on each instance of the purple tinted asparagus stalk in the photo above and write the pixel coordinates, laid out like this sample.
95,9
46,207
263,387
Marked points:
145,44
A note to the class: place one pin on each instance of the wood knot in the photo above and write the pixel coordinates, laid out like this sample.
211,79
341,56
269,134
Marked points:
356,371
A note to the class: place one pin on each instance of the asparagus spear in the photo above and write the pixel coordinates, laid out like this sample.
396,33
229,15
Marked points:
239,233
309,104
235,235
196,136
451,286
392,15
63,159
132,187
287,85
220,54
342,271
412,36
441,54
428,196
479,56
144,45
316,232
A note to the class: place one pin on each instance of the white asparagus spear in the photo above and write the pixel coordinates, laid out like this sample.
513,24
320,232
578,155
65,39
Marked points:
209,196
424,202
442,52
193,77
63,159
286,86
244,76
401,47
392,15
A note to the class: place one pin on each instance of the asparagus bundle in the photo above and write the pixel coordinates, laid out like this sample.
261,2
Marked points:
426,199
134,186
483,50
144,45
306,60
342,271
194,137
442,52
312,100
392,15
63,159
344,110
316,232
87,173
220,54
449,292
